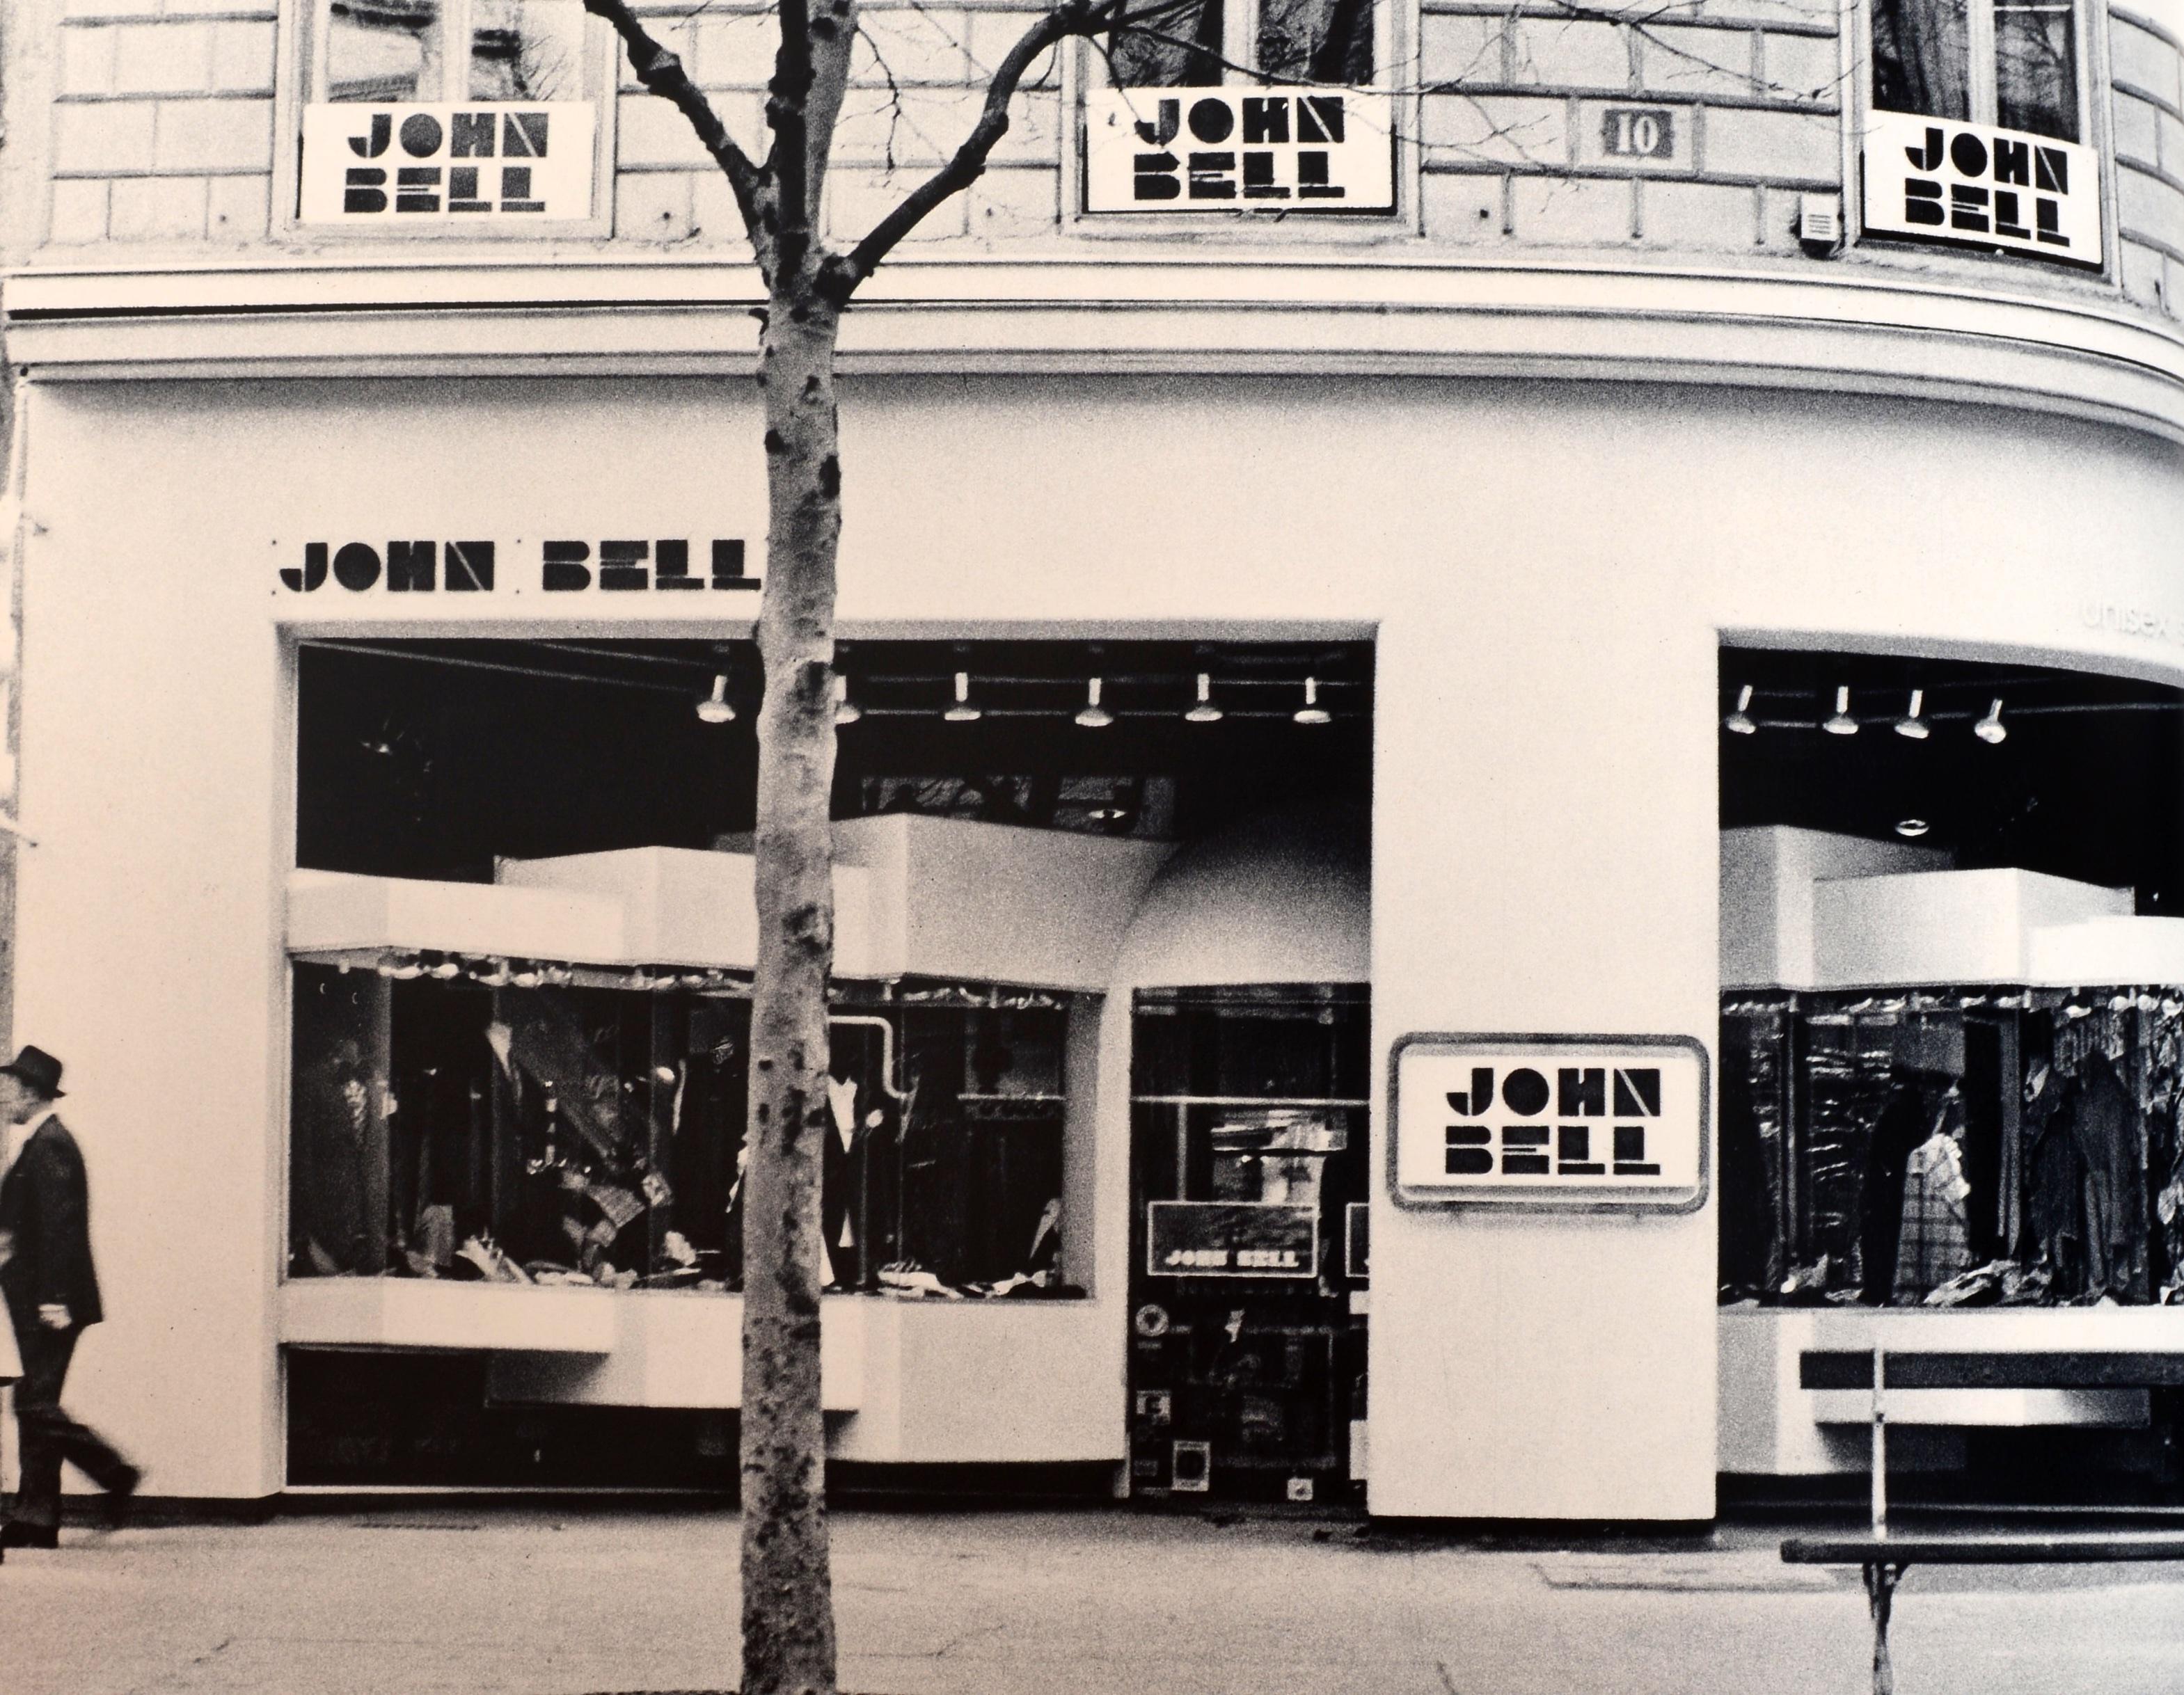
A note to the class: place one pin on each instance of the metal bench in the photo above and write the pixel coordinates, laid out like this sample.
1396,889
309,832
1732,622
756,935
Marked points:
1883,1557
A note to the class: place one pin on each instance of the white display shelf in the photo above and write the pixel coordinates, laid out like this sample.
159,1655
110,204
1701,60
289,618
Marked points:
930,1381
995,904
1768,875
1770,1424
423,1313
678,1348
688,905
2109,950
1945,926
335,912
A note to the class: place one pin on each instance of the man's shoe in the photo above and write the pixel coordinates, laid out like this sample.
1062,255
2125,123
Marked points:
121,1499
17,1534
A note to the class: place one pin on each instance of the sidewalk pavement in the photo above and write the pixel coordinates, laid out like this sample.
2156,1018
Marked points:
535,1602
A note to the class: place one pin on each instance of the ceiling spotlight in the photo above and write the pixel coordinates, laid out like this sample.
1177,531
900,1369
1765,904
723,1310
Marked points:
1990,729
1739,722
715,707
1204,712
1108,815
1912,827
962,712
1092,715
1911,724
1842,724
1311,712
846,711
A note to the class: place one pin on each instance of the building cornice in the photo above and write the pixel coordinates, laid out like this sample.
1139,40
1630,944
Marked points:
1855,331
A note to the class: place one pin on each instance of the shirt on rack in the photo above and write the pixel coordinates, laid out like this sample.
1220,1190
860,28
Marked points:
1933,1245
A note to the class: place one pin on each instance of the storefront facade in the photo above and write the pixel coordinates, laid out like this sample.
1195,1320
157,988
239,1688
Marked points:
1552,491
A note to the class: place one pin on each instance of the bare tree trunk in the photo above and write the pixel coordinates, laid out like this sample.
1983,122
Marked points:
788,1599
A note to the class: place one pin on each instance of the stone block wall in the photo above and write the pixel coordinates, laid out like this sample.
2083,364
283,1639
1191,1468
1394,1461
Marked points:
1748,92
163,130
162,122
2147,61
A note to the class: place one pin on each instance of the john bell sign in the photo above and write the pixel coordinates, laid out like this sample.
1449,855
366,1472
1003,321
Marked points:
1549,1121
1238,150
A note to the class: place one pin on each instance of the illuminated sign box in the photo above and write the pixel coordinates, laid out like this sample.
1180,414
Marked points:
1549,1121
495,166
1936,180
1238,150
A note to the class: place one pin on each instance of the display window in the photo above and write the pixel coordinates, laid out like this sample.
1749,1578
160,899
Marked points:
1952,1023
520,941
1248,1143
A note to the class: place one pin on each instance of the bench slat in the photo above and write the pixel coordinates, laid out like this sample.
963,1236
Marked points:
1848,1368
1984,1549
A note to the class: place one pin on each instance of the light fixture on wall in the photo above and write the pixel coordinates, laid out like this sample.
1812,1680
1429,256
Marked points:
715,707
962,712
846,711
1990,729
1204,712
1842,724
1092,715
1911,828
1740,722
1911,724
1311,712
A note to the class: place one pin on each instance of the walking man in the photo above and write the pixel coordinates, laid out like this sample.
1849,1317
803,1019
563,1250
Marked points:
52,1294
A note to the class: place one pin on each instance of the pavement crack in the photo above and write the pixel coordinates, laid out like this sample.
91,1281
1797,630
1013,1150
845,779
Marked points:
955,1642
1447,1682
196,1662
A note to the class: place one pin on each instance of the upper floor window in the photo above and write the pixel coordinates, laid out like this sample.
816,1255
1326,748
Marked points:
2013,64
455,117
400,52
1283,40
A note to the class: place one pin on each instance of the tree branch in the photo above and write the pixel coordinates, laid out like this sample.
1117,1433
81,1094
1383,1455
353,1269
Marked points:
1070,18
662,74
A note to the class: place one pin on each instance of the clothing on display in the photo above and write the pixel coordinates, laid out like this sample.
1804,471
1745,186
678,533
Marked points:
1992,1147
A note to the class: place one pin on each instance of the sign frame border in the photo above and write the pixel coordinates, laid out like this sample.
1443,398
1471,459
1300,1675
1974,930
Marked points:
1548,1199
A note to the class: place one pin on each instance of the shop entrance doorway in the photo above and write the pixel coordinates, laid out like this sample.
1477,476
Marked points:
1249,1256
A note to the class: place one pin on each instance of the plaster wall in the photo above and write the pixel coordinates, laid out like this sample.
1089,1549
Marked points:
1548,573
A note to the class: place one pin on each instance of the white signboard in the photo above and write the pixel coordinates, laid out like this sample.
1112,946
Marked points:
1550,1120
1931,180
490,164
1238,150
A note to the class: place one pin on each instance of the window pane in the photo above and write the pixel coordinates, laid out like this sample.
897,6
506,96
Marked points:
1316,40
1173,44
2036,70
1922,57
383,50
526,50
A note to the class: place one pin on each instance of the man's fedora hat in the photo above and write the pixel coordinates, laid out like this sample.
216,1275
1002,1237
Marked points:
40,1070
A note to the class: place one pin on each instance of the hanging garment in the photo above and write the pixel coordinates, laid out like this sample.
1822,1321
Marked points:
1933,1244
2109,1134
2053,1234
1903,1125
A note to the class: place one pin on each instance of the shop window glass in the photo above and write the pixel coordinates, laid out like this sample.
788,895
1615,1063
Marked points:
1953,1148
388,52
2012,63
1210,41
574,1131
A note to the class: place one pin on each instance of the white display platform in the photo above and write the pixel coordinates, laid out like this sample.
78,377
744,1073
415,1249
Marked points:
994,903
689,906
1944,926
675,1348
334,911
2109,950
423,1312
927,1381
1769,1425
1767,876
